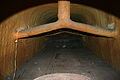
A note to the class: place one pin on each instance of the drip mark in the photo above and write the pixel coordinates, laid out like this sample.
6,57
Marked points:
15,58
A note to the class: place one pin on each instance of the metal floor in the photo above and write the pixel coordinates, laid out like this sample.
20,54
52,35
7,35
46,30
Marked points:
66,57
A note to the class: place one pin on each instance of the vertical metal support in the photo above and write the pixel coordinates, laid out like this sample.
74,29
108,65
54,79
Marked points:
63,10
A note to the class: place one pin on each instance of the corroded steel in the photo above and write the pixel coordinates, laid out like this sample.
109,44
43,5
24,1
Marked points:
64,21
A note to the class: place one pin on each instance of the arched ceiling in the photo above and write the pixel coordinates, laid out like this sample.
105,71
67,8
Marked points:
9,7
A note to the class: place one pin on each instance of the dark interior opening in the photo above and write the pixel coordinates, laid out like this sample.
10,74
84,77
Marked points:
66,53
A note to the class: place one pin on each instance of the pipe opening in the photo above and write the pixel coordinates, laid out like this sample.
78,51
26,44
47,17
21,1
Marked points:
61,50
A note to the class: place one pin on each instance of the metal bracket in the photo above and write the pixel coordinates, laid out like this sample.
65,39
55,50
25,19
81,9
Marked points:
64,21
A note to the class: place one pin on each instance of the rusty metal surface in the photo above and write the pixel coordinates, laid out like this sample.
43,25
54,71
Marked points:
65,54
35,16
64,21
